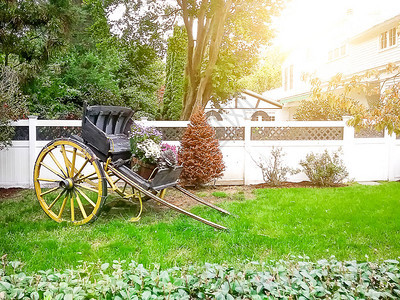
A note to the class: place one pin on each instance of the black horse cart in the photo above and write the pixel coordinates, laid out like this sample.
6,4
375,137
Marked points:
73,175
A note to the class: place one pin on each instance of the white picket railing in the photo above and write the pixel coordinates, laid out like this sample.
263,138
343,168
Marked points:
367,159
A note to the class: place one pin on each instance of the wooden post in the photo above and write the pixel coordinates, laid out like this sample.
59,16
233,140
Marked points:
32,146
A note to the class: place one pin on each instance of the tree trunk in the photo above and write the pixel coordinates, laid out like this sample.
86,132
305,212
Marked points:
203,55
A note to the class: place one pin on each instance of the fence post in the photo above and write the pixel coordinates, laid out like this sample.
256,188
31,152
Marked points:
348,145
247,140
32,146
390,140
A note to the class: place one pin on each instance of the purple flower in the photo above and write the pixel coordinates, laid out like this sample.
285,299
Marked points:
173,148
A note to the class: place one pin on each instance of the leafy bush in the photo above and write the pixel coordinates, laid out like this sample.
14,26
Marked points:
12,104
292,279
273,169
199,152
324,169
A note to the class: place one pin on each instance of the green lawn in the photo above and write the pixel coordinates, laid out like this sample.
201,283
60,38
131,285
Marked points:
349,222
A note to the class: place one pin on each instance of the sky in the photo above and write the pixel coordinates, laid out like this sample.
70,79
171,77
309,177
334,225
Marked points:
311,21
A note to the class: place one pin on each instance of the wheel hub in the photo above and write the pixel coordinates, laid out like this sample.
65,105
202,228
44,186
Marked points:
67,183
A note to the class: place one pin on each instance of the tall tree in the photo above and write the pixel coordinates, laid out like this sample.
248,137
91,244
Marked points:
223,40
175,74
98,67
30,30
267,73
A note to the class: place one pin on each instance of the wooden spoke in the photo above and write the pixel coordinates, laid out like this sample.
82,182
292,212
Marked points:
63,205
78,154
88,188
49,191
66,160
72,208
49,180
55,200
86,176
123,190
92,183
52,170
81,169
81,206
58,164
73,163
86,197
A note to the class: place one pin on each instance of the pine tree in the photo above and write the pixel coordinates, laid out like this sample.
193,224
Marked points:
200,153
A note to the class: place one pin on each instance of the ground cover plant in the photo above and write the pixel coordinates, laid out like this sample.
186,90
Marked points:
348,222
293,279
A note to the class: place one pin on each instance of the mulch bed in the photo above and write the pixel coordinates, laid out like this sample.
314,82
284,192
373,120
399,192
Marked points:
300,184
8,193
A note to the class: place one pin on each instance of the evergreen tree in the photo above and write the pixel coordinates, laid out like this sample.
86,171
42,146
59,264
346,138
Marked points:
200,153
175,74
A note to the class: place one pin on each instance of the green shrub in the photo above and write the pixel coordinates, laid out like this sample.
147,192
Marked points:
293,279
324,169
273,169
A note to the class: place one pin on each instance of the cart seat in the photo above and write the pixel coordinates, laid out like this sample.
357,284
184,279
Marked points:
106,130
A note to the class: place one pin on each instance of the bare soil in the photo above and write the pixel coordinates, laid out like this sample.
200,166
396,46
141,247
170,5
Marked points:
233,192
8,193
212,194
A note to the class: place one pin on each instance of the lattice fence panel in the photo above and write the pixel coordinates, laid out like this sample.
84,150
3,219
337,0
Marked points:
230,133
53,132
369,133
21,133
222,133
297,133
172,133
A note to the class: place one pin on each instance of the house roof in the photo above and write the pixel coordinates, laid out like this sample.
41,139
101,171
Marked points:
375,29
262,98
296,97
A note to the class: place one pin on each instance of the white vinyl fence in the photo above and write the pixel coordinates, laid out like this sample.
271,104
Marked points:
368,156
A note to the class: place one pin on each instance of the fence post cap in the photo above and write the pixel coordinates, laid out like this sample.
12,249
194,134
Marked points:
32,117
346,118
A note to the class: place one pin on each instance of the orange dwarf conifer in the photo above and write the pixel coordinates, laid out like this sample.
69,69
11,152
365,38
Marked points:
199,152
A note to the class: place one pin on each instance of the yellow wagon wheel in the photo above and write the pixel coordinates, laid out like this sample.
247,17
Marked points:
69,182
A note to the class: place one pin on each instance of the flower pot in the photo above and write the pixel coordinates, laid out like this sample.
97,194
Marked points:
147,171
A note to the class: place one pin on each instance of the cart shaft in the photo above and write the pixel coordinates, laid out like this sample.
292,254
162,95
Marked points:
123,177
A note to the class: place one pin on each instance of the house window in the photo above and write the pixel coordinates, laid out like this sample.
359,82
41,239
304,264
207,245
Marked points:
392,37
262,116
214,114
337,53
388,38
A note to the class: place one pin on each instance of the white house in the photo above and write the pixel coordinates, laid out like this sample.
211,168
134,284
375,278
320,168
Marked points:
371,49
248,106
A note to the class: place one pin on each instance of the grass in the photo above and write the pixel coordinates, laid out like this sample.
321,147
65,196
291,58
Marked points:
349,222
219,194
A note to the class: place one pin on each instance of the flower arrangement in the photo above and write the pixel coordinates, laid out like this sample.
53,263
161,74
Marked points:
169,156
146,147
145,143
